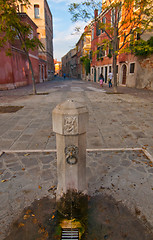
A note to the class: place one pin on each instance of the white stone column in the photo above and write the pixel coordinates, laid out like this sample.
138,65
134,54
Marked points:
70,121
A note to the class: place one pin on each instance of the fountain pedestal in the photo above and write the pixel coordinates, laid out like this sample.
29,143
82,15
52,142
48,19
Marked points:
70,121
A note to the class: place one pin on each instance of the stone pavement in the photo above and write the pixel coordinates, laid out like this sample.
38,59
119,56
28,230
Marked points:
127,176
121,120
120,125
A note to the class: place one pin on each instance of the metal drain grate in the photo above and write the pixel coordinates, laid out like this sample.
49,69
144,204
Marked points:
69,234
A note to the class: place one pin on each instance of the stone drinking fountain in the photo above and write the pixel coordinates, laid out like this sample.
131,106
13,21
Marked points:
70,121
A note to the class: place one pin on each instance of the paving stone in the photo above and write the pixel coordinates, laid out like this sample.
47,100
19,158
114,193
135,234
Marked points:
12,134
47,166
18,145
139,134
20,173
141,169
6,175
125,163
16,167
1,164
34,171
19,127
46,175
25,137
29,162
150,170
5,144
46,159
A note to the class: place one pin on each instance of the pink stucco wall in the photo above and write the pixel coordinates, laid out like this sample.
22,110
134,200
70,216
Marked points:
14,70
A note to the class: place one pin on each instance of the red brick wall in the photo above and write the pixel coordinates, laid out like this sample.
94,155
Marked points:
97,41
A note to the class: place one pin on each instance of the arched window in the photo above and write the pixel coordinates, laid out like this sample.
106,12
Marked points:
36,11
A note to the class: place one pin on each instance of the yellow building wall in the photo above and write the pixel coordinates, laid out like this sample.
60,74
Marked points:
45,29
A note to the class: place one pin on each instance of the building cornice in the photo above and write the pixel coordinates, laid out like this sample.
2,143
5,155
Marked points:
27,16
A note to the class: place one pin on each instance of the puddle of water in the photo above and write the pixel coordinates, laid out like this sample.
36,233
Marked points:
106,219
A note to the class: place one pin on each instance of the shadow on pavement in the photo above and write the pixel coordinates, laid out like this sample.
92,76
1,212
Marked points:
107,219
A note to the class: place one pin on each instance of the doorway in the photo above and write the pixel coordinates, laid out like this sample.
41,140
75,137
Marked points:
94,74
105,74
43,73
124,71
40,73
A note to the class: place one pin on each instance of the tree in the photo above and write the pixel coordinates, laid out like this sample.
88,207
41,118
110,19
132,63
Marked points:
86,63
12,27
142,48
127,19
84,10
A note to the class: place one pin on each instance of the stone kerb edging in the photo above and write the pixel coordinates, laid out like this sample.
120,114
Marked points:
149,156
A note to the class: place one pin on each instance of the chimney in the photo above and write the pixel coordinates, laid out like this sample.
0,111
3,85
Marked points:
86,29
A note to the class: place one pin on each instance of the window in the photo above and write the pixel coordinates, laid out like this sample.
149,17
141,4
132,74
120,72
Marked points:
23,8
30,34
18,9
103,22
117,69
119,12
110,68
100,52
36,11
112,17
92,34
98,71
98,29
109,51
102,69
138,36
132,67
38,34
90,55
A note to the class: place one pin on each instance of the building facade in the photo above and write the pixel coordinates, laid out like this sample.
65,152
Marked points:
14,69
101,61
40,14
58,67
69,64
132,71
83,47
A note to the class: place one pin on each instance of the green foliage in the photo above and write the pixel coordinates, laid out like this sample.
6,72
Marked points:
84,10
86,62
142,48
109,55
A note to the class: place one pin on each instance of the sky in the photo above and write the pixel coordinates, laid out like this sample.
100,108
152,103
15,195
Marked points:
64,38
